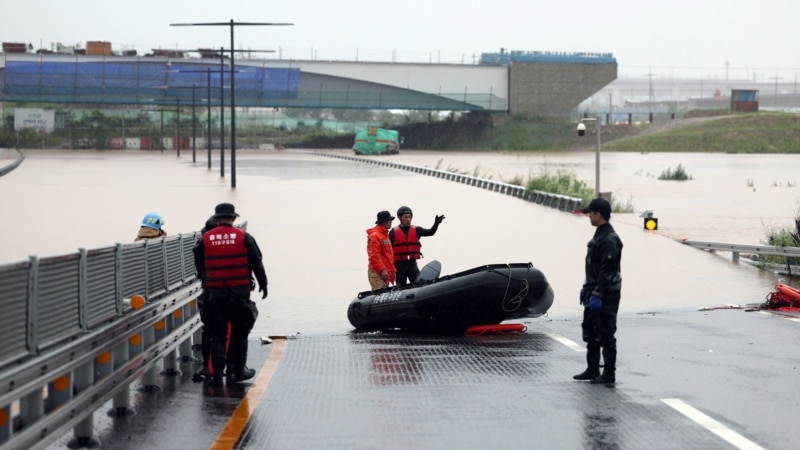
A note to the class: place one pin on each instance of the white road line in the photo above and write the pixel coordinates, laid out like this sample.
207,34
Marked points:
732,437
573,345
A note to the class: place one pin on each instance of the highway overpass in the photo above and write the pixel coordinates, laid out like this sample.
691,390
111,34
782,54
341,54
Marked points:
530,83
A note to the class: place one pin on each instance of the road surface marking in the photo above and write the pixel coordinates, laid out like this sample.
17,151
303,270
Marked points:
730,436
233,429
571,344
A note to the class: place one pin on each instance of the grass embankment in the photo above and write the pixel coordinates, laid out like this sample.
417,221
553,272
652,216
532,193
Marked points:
739,133
701,131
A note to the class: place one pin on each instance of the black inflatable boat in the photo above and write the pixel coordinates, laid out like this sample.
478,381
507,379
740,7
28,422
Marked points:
450,304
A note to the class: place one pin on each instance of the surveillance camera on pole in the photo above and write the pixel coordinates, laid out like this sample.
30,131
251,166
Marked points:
581,132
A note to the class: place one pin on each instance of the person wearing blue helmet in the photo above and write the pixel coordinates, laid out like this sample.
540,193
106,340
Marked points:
151,227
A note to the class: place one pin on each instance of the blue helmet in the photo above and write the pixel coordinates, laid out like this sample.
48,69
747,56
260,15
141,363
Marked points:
153,220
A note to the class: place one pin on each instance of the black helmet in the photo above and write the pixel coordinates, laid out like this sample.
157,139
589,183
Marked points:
404,210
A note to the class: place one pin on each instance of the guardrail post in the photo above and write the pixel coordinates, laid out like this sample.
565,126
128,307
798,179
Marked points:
59,391
84,430
5,423
186,345
102,365
197,336
171,358
31,408
121,404
135,346
150,376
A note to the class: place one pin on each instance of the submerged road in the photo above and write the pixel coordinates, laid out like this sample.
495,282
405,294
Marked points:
686,379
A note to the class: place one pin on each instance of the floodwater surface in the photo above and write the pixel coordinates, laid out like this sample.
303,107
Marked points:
310,214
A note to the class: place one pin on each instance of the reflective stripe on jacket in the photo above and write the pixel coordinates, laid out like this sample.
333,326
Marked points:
225,255
406,246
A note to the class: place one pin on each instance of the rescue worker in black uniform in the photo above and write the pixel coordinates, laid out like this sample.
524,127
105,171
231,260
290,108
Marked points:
205,347
600,295
225,259
406,245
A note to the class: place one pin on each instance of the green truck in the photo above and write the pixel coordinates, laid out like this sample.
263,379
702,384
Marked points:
377,141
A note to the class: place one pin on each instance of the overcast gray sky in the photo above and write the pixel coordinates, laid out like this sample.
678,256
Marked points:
682,38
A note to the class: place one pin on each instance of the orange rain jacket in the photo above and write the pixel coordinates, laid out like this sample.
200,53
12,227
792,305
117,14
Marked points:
379,251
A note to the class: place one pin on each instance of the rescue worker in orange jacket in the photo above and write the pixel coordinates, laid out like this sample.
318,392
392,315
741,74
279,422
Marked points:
380,270
225,259
406,245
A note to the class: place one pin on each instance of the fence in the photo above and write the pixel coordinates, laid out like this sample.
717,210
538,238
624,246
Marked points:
560,202
77,334
17,161
761,250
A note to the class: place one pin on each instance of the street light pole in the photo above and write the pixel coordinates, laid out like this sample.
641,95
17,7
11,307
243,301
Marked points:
221,113
231,24
208,92
598,129
178,126
233,115
194,127
597,158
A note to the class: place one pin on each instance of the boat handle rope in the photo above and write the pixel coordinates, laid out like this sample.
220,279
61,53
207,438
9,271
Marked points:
516,300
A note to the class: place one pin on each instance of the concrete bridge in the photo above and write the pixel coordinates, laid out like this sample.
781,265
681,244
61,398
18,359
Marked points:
530,83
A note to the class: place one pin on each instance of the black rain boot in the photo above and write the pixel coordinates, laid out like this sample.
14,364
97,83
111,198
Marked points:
245,374
610,360
242,372
218,366
588,374
607,377
592,362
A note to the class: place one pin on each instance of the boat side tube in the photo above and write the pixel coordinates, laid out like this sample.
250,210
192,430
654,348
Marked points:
450,304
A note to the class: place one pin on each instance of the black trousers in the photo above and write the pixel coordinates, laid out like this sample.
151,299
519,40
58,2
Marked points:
407,271
229,305
598,333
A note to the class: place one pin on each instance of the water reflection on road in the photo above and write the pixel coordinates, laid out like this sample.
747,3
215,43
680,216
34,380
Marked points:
309,215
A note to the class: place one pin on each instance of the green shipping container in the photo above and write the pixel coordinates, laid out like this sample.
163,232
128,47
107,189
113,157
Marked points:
377,141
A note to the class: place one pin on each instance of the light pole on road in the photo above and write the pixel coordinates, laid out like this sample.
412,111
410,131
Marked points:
581,132
230,24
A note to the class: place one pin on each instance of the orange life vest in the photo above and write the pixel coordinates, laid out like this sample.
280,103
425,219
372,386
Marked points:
406,246
226,258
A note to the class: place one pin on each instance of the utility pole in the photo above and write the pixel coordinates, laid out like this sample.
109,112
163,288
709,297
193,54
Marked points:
652,98
232,25
775,99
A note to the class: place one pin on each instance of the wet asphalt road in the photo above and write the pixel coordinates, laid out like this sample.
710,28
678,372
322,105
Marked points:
732,371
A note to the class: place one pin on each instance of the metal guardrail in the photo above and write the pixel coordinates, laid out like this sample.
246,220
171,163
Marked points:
75,337
556,201
738,249
13,165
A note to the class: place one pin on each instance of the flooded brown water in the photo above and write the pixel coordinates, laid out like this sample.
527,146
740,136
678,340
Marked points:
309,215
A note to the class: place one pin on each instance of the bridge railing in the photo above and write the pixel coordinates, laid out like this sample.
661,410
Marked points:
17,161
738,249
760,250
557,201
79,328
